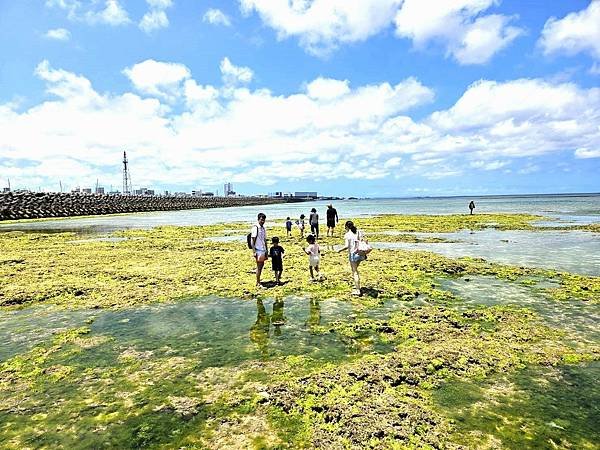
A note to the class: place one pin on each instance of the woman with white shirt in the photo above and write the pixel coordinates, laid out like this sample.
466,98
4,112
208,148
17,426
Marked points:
352,238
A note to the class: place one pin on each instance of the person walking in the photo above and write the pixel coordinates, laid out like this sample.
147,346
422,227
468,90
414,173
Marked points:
276,252
352,238
472,206
314,258
258,239
313,220
332,219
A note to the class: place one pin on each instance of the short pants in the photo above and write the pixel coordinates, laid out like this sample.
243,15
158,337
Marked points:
356,257
314,260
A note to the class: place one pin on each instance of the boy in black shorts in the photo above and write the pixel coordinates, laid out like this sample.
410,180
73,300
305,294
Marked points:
276,253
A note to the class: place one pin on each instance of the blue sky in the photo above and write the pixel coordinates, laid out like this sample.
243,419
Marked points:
387,98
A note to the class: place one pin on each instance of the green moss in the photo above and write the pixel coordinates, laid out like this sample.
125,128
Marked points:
381,396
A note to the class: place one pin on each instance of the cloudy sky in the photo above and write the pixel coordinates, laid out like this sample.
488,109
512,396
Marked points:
369,98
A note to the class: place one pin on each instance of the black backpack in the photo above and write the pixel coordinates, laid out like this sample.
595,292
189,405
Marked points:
249,238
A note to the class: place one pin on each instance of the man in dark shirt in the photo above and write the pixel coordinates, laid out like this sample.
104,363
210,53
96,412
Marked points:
276,253
332,219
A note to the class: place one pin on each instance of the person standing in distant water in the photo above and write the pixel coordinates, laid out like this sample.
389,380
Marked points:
352,238
259,246
313,219
332,219
472,206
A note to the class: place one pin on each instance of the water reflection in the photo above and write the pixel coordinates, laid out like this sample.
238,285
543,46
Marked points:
259,332
314,315
572,251
578,318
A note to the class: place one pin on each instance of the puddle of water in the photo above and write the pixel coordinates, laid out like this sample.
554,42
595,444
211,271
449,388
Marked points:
222,331
571,251
234,238
100,239
576,317
542,407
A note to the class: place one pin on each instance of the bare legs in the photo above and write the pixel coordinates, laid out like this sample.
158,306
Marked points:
356,277
259,268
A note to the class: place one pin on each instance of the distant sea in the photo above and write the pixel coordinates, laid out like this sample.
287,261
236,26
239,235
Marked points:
568,208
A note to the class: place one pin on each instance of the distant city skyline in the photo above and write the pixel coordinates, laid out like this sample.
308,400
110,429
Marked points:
378,98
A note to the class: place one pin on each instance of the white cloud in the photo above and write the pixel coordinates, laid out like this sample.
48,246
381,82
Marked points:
109,12
489,165
328,129
216,17
157,78
578,32
483,39
322,25
112,14
585,153
469,36
159,4
327,89
156,18
234,74
595,69
58,34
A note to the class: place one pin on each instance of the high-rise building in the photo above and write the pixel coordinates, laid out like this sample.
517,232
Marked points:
227,189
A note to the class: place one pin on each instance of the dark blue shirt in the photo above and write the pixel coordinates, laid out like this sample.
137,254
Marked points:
276,253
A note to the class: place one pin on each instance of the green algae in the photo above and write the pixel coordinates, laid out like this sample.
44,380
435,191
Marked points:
84,390
382,401
539,407
166,263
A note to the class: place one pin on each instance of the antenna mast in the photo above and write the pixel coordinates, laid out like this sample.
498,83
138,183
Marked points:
126,176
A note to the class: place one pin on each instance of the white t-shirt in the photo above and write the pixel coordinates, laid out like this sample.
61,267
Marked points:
313,254
260,234
352,241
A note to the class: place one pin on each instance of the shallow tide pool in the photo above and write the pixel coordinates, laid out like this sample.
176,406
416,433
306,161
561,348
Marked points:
570,251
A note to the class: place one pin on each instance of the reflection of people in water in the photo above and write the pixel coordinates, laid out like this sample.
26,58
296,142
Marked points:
259,332
314,314
277,318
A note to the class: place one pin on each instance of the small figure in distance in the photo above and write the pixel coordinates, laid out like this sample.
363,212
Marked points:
276,252
314,258
300,224
259,245
288,226
472,206
313,219
332,219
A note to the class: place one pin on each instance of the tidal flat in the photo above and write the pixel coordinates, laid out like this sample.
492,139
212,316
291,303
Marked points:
157,338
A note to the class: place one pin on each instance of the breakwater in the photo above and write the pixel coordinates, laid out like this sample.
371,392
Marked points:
36,205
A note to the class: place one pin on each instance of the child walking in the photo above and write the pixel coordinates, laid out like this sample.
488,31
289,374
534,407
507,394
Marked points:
276,252
288,226
314,258
300,224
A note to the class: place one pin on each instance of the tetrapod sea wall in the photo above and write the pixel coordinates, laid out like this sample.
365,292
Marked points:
35,205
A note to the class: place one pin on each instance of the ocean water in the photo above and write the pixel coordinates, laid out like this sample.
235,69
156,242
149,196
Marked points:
568,209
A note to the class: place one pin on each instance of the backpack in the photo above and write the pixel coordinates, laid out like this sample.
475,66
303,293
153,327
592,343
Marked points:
249,238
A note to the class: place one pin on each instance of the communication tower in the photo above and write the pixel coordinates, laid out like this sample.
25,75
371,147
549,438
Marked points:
126,176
